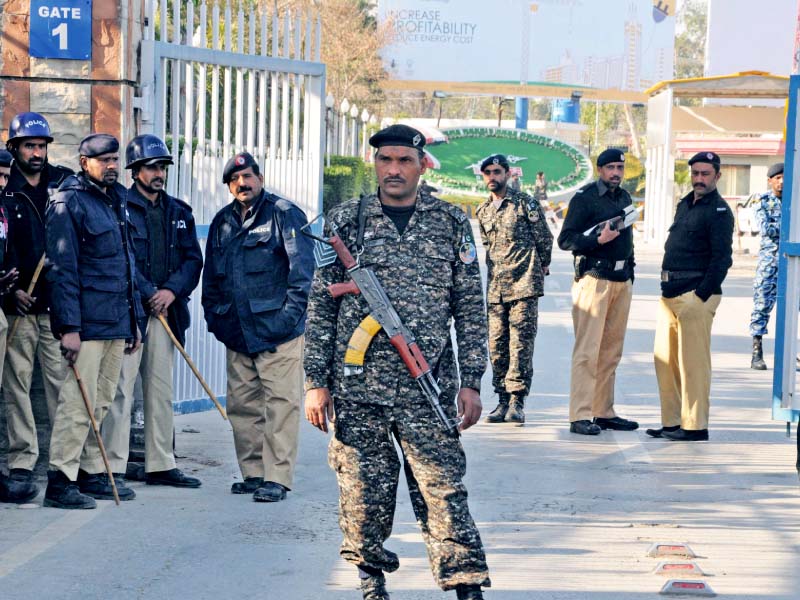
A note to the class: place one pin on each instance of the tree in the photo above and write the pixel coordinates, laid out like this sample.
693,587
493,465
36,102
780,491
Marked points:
351,43
690,41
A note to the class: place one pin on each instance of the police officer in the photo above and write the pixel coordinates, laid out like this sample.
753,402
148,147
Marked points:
94,312
256,280
422,251
601,295
697,256
168,265
17,487
32,181
767,212
518,248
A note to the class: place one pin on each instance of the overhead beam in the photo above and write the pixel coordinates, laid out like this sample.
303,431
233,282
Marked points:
535,90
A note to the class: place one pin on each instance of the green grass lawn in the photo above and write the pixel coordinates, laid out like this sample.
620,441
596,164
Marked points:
457,155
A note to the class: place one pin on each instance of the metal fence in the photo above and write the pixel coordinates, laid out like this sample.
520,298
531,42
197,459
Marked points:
216,82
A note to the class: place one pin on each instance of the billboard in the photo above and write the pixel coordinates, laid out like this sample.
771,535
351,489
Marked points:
613,44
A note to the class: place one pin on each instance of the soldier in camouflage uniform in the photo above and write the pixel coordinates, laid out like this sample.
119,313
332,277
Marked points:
518,247
767,212
422,251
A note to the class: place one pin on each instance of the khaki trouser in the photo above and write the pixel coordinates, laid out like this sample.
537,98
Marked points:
599,317
263,405
154,361
682,353
33,340
71,445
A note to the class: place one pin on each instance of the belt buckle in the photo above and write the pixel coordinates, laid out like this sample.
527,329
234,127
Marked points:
665,276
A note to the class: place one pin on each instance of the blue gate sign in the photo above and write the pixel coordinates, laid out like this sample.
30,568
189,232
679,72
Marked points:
61,29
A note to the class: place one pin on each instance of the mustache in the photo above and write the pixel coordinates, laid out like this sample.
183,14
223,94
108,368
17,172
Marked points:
702,185
394,180
156,180
244,188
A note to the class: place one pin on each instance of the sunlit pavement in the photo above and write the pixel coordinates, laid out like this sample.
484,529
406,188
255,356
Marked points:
562,516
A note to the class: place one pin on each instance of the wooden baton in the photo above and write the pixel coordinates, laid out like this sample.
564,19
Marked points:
96,430
189,362
31,286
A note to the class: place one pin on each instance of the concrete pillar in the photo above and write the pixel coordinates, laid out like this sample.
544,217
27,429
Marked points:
77,97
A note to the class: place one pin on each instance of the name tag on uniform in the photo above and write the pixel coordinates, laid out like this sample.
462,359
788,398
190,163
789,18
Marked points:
619,265
181,224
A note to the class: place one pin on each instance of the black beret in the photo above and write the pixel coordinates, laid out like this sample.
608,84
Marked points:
495,159
97,144
237,163
706,157
5,158
775,169
610,155
398,135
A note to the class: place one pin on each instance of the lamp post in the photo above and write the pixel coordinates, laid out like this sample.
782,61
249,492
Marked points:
500,103
329,141
343,108
364,120
354,134
439,96
373,120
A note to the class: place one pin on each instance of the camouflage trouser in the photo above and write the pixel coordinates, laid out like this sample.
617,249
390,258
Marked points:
362,452
765,291
512,331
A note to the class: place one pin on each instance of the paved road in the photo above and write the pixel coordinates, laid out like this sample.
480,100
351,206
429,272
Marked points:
563,517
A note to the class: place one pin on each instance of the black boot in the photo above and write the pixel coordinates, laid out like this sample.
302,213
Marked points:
63,493
515,413
498,415
19,487
98,485
469,592
373,584
757,362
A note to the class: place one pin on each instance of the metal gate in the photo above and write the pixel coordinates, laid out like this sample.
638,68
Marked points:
212,85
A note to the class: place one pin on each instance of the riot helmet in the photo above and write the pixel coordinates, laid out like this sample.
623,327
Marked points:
29,125
146,149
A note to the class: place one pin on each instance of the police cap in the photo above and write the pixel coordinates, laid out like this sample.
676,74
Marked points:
398,135
97,144
711,158
5,158
776,169
610,155
238,163
495,159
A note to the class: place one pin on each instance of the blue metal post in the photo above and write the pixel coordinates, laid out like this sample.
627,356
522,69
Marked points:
522,113
785,250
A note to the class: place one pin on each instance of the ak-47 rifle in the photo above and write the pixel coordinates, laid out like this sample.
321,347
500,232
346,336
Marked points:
382,316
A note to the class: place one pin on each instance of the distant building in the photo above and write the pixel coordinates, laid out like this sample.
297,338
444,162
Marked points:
633,50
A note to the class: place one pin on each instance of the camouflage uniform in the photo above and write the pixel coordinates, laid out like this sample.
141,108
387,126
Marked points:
518,248
431,276
765,287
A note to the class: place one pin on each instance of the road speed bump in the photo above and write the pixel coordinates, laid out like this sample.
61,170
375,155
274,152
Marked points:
685,587
659,550
678,568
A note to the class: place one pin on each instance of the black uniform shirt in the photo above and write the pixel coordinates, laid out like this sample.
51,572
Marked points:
157,237
592,204
700,239
38,195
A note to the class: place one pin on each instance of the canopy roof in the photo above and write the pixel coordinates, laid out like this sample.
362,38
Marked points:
729,120
747,84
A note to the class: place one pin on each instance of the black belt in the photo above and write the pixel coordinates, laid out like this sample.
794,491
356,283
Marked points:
674,275
603,264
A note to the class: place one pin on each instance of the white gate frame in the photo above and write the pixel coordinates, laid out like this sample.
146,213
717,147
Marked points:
271,106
